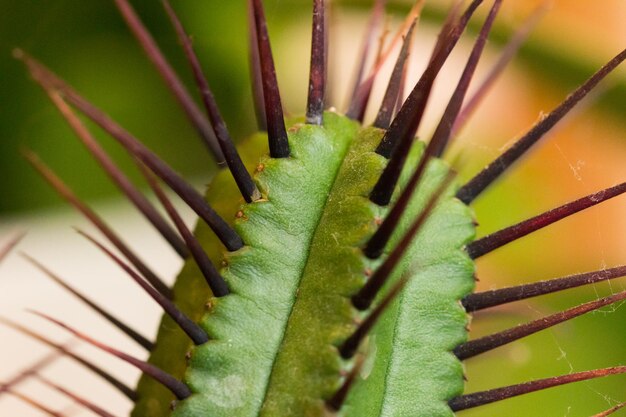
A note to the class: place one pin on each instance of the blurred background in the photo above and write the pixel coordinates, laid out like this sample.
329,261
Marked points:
89,45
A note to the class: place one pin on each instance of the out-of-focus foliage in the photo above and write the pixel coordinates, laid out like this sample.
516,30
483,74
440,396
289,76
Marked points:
88,44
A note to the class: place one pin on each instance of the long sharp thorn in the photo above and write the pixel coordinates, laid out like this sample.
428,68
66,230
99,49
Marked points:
329,12
194,199
351,344
178,388
372,25
382,39
394,89
407,121
385,51
70,197
117,176
358,106
610,410
444,129
360,100
127,330
12,243
318,72
436,145
35,404
193,330
500,238
383,190
486,397
447,40
8,387
30,370
492,172
484,344
277,134
242,177
401,91
481,300
375,246
398,140
214,279
364,298
447,27
116,383
256,79
171,79
337,400
80,400
506,56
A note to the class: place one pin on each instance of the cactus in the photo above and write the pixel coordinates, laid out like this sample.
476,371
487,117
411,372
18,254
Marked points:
331,272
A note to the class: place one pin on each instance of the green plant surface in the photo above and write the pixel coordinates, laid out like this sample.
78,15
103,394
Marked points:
247,326
274,343
409,369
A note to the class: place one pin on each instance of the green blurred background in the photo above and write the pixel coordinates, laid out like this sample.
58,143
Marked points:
88,44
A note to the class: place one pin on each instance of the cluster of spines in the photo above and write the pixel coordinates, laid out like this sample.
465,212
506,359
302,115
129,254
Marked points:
400,122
